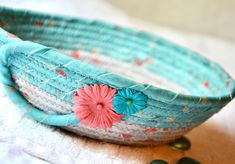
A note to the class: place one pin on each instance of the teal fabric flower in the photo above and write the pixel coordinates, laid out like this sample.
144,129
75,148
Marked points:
129,101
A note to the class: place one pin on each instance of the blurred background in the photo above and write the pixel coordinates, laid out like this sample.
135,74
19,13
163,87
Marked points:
214,17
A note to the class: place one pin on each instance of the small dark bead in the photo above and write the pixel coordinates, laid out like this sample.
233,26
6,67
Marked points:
188,160
181,144
158,161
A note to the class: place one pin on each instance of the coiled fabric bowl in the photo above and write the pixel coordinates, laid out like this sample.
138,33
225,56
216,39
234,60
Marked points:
105,81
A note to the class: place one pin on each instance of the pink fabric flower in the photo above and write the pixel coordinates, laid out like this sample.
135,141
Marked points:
93,106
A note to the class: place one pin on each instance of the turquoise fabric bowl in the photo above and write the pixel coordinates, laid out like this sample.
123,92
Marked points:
44,82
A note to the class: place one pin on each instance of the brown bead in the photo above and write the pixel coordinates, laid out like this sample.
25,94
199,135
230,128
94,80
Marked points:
181,144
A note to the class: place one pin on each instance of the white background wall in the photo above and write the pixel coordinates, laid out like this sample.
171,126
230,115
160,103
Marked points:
215,17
